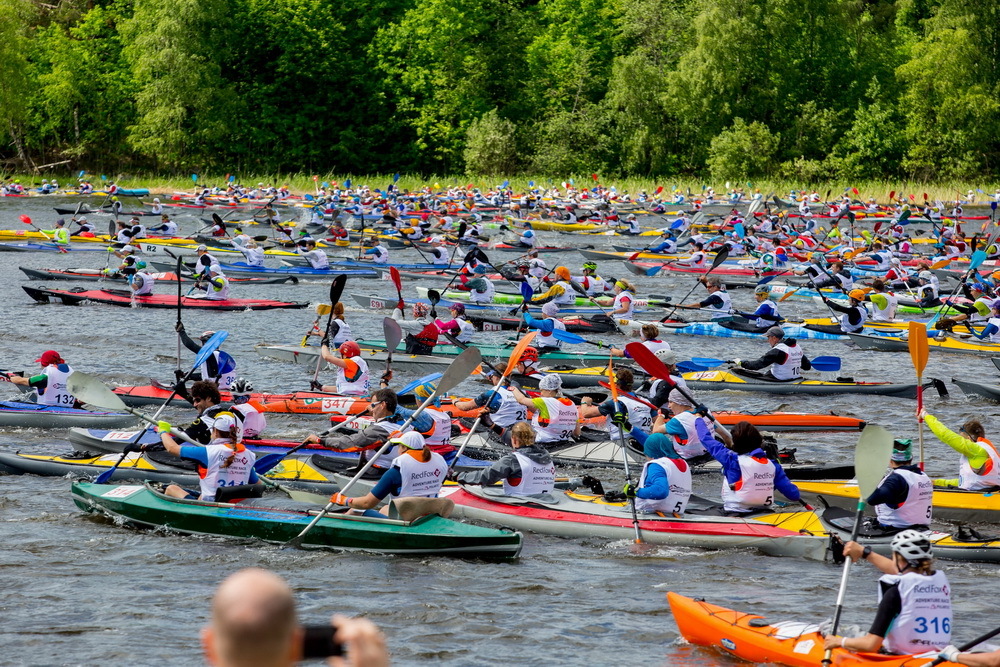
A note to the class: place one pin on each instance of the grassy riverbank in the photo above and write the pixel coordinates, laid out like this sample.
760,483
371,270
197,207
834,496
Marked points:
304,183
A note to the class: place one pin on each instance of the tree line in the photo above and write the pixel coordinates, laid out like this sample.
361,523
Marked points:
807,90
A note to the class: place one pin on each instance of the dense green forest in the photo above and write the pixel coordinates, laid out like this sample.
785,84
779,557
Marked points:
806,90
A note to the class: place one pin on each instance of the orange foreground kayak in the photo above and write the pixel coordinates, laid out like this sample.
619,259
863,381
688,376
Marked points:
753,638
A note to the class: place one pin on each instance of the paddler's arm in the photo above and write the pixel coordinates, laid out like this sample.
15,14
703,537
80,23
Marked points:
987,331
367,438
329,357
545,326
772,356
390,482
522,399
189,343
719,452
505,468
656,486
973,451
784,485
36,381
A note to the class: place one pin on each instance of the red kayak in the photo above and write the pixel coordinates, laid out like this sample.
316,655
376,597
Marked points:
722,270
125,298
162,277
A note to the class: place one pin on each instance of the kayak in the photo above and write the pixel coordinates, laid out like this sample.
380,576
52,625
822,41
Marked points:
510,299
905,305
125,298
349,263
244,269
563,357
373,302
162,277
950,504
190,248
278,520
943,341
752,638
47,247
22,414
587,515
732,330
596,324
726,380
988,392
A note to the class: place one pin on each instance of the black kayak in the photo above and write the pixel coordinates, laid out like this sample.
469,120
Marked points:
595,324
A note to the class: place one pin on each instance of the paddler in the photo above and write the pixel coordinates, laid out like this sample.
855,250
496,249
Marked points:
632,227
340,330
253,423
718,301
387,415
554,418
84,228
503,409
664,485
649,336
659,390
903,499
219,368
884,302
527,471
205,397
666,245
914,608
204,261
439,254
527,238
637,413
927,290
545,341
353,377
60,235
222,463
766,314
376,252
979,468
252,254
623,304
215,284
785,359
317,258
561,293
50,384
421,334
696,259
854,314
481,289
139,280
457,326
977,312
592,284
749,478
415,472
167,227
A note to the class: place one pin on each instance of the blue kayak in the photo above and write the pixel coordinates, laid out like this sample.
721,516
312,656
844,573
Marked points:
402,267
52,247
244,269
34,415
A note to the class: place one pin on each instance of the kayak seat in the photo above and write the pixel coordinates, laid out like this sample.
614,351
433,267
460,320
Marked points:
967,534
164,457
870,528
826,328
765,377
235,494
409,509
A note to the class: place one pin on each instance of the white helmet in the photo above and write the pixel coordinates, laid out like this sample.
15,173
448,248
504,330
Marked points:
666,356
912,545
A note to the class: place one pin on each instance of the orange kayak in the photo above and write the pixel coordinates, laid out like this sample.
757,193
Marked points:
752,638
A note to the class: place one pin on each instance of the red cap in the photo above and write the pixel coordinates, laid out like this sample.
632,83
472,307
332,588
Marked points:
49,357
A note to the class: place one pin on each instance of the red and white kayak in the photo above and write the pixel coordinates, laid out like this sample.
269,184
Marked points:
161,277
125,298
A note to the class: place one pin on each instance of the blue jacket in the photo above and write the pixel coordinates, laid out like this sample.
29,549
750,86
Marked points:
731,467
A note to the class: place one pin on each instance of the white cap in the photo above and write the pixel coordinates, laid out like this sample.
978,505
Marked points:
410,440
551,309
550,382
224,422
666,356
679,398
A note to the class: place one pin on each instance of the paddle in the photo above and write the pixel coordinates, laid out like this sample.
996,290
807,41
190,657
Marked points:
336,289
648,361
397,281
267,462
393,334
321,310
430,377
720,257
210,346
459,369
919,351
975,261
180,306
572,338
527,294
871,456
512,362
621,439
578,288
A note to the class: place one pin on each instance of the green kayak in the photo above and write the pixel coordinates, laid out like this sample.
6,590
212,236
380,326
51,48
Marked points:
509,298
566,357
276,519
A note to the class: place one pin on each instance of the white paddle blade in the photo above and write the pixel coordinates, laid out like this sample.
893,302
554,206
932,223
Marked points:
90,390
871,458
460,369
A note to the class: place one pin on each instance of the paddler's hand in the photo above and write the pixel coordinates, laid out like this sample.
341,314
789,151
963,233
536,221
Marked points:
620,418
702,409
387,376
734,362
833,641
629,490
132,447
179,328
853,550
452,476
311,439
949,654
163,427
922,414
315,386
340,499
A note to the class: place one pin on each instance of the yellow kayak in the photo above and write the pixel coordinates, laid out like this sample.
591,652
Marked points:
950,504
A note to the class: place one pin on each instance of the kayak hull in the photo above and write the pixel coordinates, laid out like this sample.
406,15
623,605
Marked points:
723,381
124,299
949,504
20,414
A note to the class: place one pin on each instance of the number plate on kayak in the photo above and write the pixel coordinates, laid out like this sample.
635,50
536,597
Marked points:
122,491
805,647
377,304
339,406
119,435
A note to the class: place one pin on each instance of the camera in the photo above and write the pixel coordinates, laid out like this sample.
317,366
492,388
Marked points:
317,642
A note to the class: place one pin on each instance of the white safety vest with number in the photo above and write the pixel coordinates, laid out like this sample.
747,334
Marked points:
226,366
916,509
509,411
142,284
792,365
568,297
218,288
887,314
678,479
639,415
690,446
760,322
548,340
620,302
56,392
655,346
536,478
360,385
421,479
486,296
924,621
995,336
343,333
440,432
970,480
253,422
845,322
237,473
560,424
754,489
724,309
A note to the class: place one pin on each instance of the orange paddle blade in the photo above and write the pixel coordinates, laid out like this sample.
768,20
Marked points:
918,346
519,349
611,378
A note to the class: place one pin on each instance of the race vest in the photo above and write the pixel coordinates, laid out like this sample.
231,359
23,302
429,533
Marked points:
343,333
253,422
424,341
317,259
440,256
527,239
548,340
568,297
438,437
218,288
624,300
678,479
970,480
689,446
56,392
253,256
536,478
995,336
792,364
639,415
380,255
593,285
225,370
421,479
755,487
887,313
142,284
214,475
556,421
358,385
486,296
845,322
760,322
508,411
924,621
724,309
916,509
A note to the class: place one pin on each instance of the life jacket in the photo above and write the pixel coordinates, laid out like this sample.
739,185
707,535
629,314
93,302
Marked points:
689,445
989,477
421,479
620,301
845,320
790,368
424,341
438,436
557,421
761,322
924,620
56,391
725,308
547,339
888,313
916,508
755,487
639,415
214,475
253,422
359,385
536,478
679,481
505,411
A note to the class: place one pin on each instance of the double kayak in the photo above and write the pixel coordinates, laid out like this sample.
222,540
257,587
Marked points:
34,415
753,638
720,380
96,275
950,504
125,298
279,520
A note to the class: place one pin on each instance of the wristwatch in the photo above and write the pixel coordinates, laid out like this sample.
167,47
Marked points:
865,553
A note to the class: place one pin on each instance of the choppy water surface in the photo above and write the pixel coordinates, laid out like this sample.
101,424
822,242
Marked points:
79,590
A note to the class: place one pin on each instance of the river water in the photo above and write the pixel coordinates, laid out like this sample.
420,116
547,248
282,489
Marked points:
82,591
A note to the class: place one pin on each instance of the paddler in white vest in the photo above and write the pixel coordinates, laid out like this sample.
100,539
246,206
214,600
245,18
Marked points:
139,280
903,499
503,409
664,485
638,414
659,390
561,293
884,302
50,384
545,341
854,314
979,469
353,378
481,289
991,331
527,238
416,472
623,303
649,336
554,418
216,285
718,302
219,368
766,314
749,478
592,284
785,359
914,603
975,313
527,471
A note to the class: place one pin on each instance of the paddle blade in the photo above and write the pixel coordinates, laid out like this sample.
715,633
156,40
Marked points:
337,288
393,333
460,369
707,362
323,309
431,377
396,279
871,458
25,219
647,360
515,356
568,337
720,257
210,346
977,259
433,296
918,346
526,292
765,280
829,364
90,390
217,219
